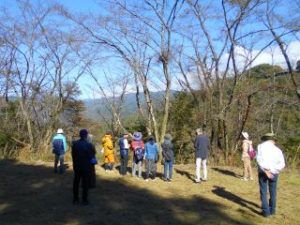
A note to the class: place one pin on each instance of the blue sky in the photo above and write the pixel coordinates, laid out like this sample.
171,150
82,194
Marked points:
272,55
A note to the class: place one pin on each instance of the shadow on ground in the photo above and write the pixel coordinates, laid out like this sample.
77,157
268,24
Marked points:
35,195
220,191
185,173
226,172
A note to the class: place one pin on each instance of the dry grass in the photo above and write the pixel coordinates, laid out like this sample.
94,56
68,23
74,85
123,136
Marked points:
33,194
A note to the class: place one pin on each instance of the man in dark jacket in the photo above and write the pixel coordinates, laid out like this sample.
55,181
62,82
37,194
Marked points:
201,146
124,147
83,153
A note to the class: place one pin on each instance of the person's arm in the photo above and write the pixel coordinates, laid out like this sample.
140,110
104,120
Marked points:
163,152
65,143
110,145
245,146
196,143
280,163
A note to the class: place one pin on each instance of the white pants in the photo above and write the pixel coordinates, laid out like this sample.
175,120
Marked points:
199,161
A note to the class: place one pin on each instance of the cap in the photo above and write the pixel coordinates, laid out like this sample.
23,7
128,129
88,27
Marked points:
60,131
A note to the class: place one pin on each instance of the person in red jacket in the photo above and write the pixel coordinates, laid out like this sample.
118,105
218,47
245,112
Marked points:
137,146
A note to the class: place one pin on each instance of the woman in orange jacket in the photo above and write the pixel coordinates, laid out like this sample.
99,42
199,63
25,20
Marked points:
107,144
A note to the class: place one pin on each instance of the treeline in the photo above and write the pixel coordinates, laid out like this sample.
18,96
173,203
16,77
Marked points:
206,50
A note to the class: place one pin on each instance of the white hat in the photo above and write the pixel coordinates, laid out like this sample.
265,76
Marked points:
60,131
245,135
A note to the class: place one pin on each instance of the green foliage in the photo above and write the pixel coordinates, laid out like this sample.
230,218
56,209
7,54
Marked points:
262,101
182,123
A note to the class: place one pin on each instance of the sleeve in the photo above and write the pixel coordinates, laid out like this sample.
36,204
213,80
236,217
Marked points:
163,152
245,146
132,145
196,143
280,164
65,144
110,145
260,159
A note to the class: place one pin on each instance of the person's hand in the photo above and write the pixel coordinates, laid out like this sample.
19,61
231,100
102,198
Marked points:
269,174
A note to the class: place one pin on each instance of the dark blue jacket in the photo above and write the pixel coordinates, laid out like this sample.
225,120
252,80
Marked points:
123,150
82,153
201,146
168,150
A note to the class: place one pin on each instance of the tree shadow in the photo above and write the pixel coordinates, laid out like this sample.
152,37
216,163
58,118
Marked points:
129,171
185,173
33,194
220,191
226,172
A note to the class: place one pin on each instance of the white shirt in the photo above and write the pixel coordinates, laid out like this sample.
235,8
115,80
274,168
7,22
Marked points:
126,144
270,157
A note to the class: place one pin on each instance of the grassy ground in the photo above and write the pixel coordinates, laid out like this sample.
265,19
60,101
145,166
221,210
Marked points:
33,194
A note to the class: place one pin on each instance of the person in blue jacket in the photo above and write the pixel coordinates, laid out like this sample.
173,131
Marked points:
151,156
59,149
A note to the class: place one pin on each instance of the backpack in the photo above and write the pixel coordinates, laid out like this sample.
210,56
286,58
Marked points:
251,152
139,153
58,146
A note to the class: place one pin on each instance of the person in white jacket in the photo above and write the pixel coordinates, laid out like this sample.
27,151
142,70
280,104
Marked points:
270,162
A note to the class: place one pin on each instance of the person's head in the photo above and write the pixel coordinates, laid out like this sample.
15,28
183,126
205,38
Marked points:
83,133
268,136
151,139
245,135
199,131
125,135
137,136
168,137
60,131
108,133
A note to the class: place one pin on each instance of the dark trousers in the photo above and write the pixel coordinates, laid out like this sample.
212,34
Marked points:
150,168
84,177
60,159
92,180
268,207
124,163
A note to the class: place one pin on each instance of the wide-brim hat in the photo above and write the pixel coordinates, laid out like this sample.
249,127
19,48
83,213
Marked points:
245,135
137,136
151,138
60,131
270,136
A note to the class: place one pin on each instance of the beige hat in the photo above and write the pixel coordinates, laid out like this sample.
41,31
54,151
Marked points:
245,135
60,131
269,135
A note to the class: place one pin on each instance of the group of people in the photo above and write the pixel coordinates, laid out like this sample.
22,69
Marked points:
142,152
269,158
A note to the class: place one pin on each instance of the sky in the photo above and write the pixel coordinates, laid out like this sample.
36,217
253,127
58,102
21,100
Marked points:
270,55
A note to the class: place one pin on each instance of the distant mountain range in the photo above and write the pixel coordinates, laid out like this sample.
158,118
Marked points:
94,106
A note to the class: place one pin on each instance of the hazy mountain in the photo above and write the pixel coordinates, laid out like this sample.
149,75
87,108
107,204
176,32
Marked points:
94,106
